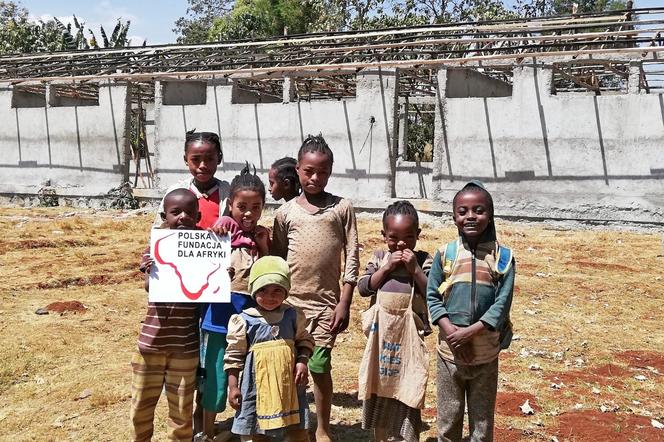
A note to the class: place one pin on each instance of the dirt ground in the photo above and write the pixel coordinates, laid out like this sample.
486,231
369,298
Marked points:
588,354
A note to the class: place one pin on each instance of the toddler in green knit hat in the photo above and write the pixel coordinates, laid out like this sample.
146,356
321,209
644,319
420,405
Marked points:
269,343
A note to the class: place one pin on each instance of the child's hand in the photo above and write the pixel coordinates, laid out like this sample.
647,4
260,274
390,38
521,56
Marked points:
446,327
218,229
340,318
460,337
396,258
409,261
262,238
234,397
146,265
301,373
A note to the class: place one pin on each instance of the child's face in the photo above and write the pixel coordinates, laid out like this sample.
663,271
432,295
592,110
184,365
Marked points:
314,170
246,208
202,160
181,212
472,214
278,187
400,232
270,297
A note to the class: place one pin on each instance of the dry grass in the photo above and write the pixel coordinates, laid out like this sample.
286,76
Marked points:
583,299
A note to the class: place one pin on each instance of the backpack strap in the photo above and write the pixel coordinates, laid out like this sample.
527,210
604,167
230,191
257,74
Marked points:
504,261
448,256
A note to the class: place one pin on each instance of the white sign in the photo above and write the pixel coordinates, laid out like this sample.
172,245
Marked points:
189,266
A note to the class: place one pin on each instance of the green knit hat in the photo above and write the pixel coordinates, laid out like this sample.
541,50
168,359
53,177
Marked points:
269,270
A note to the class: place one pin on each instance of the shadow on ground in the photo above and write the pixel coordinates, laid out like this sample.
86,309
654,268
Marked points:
346,400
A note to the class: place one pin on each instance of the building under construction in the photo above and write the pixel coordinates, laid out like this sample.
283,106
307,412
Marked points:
562,117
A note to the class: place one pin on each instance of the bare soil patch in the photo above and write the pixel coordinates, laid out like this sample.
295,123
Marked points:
604,375
508,403
643,359
593,426
602,266
66,306
509,435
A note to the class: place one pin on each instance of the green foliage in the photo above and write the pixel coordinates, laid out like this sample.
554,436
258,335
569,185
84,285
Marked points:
12,11
195,26
478,10
19,35
118,36
538,8
420,132
565,6
265,18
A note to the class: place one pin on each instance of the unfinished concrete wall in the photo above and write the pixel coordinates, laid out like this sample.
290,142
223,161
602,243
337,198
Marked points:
80,149
567,155
571,155
264,132
414,179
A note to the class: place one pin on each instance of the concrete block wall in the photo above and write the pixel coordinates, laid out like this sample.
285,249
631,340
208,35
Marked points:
568,155
261,133
571,155
80,149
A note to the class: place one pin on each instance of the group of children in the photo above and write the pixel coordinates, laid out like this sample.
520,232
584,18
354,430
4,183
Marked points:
291,297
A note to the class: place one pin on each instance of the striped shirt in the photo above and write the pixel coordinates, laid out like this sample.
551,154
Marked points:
485,345
168,327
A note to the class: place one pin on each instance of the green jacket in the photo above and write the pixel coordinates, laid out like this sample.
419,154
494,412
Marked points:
478,286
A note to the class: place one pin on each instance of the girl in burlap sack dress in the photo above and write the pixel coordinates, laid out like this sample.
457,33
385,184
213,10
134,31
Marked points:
393,372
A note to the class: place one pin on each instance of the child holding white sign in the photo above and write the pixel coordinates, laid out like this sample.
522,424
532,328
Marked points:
249,241
167,351
270,344
394,368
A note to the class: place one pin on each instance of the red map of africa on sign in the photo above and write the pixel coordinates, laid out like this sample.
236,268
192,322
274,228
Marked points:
188,293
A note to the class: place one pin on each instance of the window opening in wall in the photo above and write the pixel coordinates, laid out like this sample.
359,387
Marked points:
29,96
418,125
479,82
66,95
502,73
335,87
143,90
141,95
418,82
183,93
246,91
594,77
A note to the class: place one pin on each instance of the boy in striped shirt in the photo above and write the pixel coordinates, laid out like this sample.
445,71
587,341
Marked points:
167,351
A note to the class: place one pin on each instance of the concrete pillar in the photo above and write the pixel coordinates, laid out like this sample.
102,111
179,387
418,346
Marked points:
49,91
634,79
402,104
158,103
441,157
289,90
377,94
